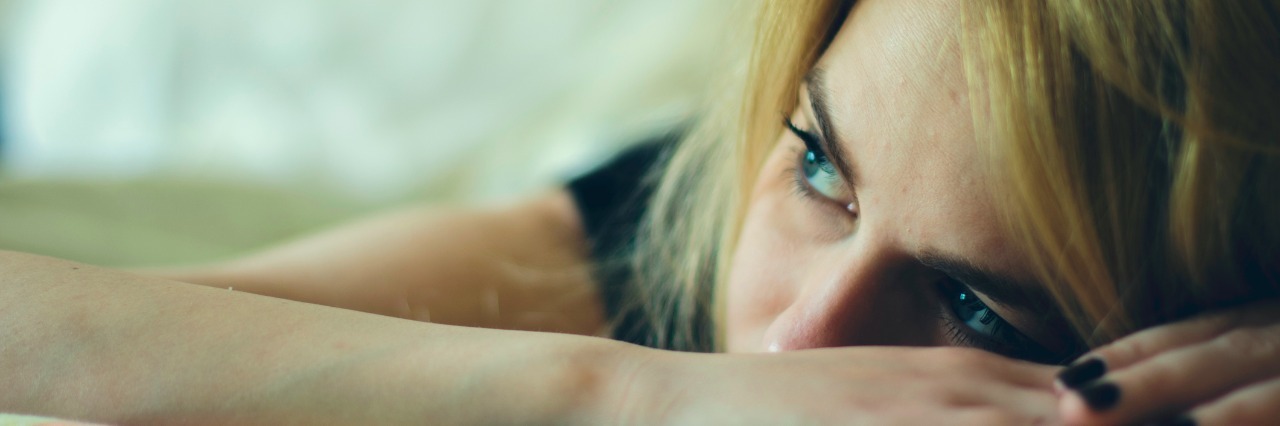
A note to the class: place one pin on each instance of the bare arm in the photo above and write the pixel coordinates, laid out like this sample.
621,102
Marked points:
92,344
88,343
519,267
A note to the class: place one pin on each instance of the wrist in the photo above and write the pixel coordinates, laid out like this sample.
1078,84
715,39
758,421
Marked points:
607,382
561,380
643,386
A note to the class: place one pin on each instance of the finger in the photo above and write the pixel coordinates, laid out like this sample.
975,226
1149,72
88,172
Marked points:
1174,381
1254,405
1030,404
1150,342
985,365
984,416
1136,348
971,378
949,360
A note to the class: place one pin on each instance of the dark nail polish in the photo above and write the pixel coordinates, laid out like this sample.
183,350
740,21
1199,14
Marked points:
1081,373
1100,396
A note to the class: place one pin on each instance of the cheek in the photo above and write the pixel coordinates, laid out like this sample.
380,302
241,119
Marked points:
761,282
765,278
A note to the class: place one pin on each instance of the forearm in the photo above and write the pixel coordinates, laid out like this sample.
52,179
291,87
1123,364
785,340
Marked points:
87,343
518,267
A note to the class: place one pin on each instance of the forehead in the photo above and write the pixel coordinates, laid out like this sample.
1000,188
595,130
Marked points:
899,102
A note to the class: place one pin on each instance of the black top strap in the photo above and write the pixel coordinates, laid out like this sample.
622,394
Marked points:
611,201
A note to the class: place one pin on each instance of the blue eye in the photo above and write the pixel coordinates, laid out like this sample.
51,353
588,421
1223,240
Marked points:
819,173
975,314
976,324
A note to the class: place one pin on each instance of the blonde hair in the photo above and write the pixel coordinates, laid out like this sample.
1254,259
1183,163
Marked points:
1134,145
1138,142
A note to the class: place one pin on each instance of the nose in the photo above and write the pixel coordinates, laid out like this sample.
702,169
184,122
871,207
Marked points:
870,300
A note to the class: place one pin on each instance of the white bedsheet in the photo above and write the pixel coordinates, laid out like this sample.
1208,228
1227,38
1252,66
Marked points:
377,99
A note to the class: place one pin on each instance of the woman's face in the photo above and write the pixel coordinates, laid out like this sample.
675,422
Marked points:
881,230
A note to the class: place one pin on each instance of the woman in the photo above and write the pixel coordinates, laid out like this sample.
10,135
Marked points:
1028,179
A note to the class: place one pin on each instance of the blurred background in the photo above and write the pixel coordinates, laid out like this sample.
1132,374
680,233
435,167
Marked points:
149,132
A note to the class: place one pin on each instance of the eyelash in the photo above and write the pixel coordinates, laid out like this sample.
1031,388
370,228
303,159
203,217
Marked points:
961,334
810,140
800,183
957,332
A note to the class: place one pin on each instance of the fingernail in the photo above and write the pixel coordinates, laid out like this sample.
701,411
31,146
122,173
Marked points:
1100,396
1080,373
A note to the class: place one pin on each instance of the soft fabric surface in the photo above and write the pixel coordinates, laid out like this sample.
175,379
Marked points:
374,99
157,222
171,131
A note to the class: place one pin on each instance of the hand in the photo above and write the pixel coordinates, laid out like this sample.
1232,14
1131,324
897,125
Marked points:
1222,368
868,385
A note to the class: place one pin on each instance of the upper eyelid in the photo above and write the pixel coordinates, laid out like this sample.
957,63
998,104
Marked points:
991,304
811,107
1037,352
982,297
810,138
802,109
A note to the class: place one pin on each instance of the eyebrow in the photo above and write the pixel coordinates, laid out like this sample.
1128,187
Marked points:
1000,288
818,101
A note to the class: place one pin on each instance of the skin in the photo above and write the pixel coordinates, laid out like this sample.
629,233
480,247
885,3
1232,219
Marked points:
807,275
1161,372
95,344
512,267
329,329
